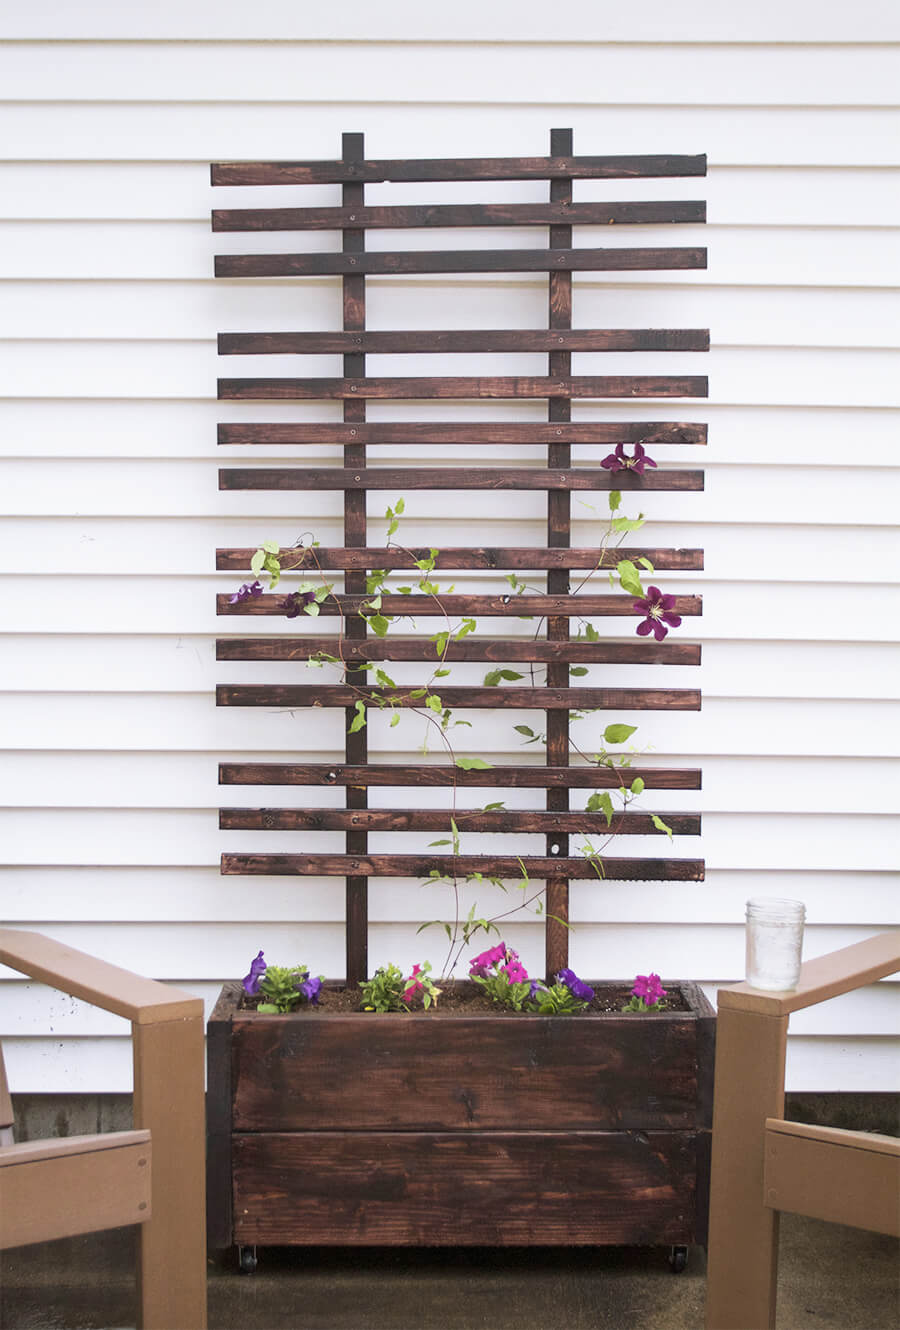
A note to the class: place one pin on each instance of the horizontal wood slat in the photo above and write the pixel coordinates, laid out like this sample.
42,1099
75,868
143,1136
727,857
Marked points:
427,342
498,651
498,777
386,263
438,819
491,606
461,865
236,559
426,433
420,388
652,213
453,478
630,167
506,697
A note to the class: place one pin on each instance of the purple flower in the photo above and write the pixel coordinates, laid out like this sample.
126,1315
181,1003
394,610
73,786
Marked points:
658,609
249,591
310,990
618,461
296,602
577,987
257,970
649,987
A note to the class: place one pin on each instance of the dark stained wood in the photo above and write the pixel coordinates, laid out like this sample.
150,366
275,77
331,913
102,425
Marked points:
425,433
386,263
461,865
398,217
548,698
330,557
356,744
599,606
591,1073
495,777
438,819
464,1189
453,478
432,342
421,388
635,652
457,168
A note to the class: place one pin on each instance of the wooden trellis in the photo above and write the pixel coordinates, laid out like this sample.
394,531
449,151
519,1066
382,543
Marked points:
558,477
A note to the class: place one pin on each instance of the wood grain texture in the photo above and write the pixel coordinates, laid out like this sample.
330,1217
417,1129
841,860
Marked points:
453,478
439,819
508,650
447,865
457,557
589,605
629,167
397,217
426,433
386,263
464,1189
426,341
506,697
422,388
498,777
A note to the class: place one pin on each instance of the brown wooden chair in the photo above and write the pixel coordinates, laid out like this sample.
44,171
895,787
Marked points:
762,1165
81,1184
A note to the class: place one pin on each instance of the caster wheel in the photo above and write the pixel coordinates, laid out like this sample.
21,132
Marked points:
247,1260
678,1258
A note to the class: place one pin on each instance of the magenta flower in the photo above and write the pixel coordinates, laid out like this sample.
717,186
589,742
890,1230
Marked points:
296,602
658,609
577,987
649,988
481,964
413,984
258,968
619,461
515,972
249,591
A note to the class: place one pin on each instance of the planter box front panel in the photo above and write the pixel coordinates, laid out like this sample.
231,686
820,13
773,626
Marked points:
464,1072
463,1189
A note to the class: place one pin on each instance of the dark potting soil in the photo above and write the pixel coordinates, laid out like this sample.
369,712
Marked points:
462,998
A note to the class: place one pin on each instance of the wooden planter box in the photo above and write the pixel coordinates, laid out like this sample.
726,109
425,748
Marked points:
457,1129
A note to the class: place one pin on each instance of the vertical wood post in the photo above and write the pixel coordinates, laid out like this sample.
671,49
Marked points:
556,944
743,1232
169,1101
356,746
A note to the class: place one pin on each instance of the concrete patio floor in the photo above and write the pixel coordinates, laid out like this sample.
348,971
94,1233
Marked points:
829,1277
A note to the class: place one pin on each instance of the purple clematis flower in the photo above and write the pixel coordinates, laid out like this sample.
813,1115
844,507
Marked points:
258,968
310,990
619,461
658,609
577,987
249,591
649,987
296,602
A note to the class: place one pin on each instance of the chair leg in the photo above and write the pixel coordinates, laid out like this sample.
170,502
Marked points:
169,1100
743,1233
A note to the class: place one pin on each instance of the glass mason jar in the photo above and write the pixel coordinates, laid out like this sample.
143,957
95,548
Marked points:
774,937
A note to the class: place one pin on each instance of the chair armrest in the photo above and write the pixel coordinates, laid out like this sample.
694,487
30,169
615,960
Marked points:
826,977
141,1001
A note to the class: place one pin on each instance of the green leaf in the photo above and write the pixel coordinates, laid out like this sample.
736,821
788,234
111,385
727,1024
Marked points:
257,562
268,1007
395,719
418,692
404,590
473,764
620,524
629,577
384,679
270,547
312,609
601,803
490,808
440,641
492,679
432,844
577,669
645,563
591,633
524,729
637,786
615,498
379,624
617,734
660,825
468,626
400,506
441,674
434,703
359,719
375,602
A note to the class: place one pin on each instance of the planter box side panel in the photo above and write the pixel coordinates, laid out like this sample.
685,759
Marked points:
462,1189
465,1073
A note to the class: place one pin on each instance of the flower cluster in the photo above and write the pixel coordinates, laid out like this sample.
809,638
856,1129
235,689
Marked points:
284,987
501,974
647,994
420,981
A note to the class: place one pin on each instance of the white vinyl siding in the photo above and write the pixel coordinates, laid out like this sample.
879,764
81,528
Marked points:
110,739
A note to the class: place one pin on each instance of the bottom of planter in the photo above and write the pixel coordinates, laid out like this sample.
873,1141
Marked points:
463,1189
